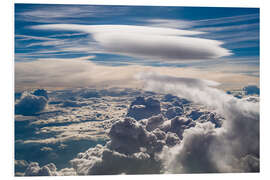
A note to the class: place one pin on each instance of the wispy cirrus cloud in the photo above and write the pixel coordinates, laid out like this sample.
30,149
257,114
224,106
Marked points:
67,13
226,20
223,28
228,28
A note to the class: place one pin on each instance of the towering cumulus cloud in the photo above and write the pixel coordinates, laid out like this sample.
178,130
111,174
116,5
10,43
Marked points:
232,148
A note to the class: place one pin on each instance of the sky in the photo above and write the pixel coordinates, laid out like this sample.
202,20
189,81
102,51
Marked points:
59,46
190,52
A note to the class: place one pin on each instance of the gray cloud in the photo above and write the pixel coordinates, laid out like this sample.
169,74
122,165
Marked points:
217,150
101,160
30,104
141,108
34,169
41,92
130,151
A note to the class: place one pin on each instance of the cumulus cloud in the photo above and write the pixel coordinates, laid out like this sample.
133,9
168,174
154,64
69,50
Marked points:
232,148
41,92
173,112
190,142
30,104
141,108
133,147
148,42
131,150
135,137
101,160
34,169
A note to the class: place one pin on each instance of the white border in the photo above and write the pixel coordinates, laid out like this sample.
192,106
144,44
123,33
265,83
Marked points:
7,86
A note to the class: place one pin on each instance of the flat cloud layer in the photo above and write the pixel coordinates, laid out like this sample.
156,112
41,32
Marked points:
54,73
148,42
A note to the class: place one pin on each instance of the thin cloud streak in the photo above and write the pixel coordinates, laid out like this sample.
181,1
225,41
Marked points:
226,20
228,28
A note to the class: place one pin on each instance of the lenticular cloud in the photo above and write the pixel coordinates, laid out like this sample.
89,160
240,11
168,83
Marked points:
232,148
148,42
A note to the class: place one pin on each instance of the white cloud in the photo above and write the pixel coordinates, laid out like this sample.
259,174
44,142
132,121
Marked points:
148,42
169,23
204,148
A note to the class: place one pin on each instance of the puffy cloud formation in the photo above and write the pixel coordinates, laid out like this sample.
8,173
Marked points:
148,42
193,154
211,117
179,124
131,150
41,92
252,89
172,139
154,122
232,148
173,112
34,169
141,108
134,146
101,160
194,114
30,104
129,136
195,140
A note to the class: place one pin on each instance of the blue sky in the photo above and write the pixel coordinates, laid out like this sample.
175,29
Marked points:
229,37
